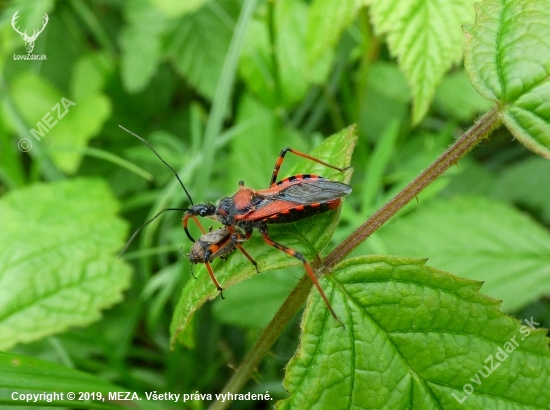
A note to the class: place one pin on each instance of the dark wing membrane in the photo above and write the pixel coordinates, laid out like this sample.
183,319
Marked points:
315,191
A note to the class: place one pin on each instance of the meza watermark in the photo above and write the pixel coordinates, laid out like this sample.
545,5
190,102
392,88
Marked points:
46,123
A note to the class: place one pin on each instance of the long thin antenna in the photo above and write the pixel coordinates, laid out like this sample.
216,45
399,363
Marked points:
144,225
165,163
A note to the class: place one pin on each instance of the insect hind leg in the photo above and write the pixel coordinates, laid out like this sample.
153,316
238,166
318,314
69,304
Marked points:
281,158
291,252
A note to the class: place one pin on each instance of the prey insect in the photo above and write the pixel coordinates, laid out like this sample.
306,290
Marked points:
288,200
217,243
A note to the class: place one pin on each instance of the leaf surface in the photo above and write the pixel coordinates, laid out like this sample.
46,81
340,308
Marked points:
479,239
284,77
414,338
327,19
30,375
198,43
308,236
57,263
63,123
508,61
425,37
141,43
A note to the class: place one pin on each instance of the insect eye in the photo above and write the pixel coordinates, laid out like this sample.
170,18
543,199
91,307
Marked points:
202,212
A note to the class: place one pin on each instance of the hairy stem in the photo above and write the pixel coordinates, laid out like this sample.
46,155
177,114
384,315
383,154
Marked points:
465,143
268,337
297,297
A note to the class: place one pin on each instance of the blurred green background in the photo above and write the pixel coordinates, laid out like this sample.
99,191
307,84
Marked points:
218,87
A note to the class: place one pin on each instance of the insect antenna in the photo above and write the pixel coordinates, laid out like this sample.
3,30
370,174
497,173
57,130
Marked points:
167,209
163,161
144,225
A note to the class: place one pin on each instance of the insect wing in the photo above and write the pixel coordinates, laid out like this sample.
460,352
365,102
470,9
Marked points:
299,197
312,192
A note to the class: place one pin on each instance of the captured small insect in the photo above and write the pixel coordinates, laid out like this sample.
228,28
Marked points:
216,244
289,200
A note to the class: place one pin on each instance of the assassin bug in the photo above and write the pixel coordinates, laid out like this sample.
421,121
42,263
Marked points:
213,244
289,200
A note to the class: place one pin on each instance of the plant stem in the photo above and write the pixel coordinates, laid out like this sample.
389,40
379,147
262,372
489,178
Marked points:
297,297
286,312
469,139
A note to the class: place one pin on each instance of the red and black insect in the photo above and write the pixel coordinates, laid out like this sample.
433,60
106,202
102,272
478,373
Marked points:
289,200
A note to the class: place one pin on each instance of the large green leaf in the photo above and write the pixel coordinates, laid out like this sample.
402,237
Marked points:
456,97
277,70
521,183
198,43
141,43
63,123
308,236
57,263
327,19
415,338
425,36
480,239
508,60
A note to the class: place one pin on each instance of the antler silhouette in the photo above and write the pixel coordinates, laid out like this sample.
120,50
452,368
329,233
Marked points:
29,40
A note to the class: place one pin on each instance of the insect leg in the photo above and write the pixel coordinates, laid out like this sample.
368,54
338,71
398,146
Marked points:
281,157
211,273
184,222
237,238
297,255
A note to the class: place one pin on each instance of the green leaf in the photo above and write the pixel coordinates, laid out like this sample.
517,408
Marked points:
141,43
90,74
414,337
385,100
480,239
288,83
521,184
198,43
327,19
62,123
254,302
57,267
29,375
456,97
253,119
508,61
308,236
177,8
425,37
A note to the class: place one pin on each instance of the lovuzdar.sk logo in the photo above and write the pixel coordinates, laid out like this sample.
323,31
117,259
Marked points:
29,39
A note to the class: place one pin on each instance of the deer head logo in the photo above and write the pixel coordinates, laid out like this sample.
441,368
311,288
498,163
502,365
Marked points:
29,40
